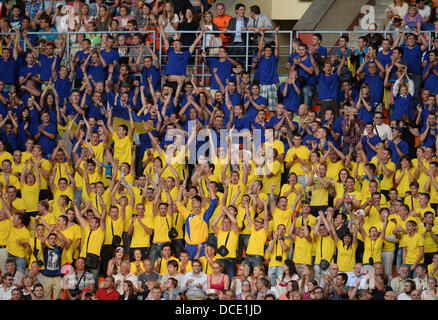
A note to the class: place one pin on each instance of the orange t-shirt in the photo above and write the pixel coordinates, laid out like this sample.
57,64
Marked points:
222,24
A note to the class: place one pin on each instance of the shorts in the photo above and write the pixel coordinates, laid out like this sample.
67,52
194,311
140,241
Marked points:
269,91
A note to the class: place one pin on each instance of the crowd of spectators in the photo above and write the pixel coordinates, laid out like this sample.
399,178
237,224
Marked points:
126,177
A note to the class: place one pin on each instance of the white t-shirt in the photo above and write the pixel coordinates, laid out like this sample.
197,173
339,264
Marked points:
424,12
403,296
131,277
383,131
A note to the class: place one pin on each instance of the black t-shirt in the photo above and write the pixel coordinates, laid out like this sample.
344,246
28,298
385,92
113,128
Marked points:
188,38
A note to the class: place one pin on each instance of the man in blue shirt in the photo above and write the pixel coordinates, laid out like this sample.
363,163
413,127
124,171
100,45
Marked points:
177,59
253,102
291,90
398,147
30,71
328,83
224,65
316,45
304,66
150,68
336,59
266,64
370,141
429,132
9,65
46,59
412,54
109,54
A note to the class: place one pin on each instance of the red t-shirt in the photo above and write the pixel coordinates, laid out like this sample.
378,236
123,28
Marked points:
102,294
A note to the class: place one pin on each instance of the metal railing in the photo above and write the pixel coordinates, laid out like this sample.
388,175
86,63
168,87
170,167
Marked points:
428,35
158,44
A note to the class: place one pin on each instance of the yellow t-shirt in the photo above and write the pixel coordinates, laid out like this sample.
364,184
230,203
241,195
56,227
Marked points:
302,251
282,217
242,220
413,245
94,239
13,247
303,153
140,238
162,226
346,256
5,231
135,270
122,148
278,251
387,181
30,196
333,168
320,194
256,242
430,246
113,228
233,238
403,185
328,248
163,266
373,249
206,267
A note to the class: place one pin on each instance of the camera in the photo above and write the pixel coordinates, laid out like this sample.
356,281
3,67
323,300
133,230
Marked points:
371,260
173,233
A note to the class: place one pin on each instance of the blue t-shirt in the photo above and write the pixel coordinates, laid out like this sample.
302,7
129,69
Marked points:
156,78
322,51
35,70
373,141
8,70
413,58
82,57
328,86
110,56
291,100
268,70
364,114
431,81
384,59
251,112
402,105
46,66
376,88
430,139
48,144
223,71
176,62
403,146
63,87
97,73
310,78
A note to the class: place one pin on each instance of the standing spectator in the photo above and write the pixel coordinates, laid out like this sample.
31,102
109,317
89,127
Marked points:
188,22
222,20
412,53
108,292
266,64
337,56
238,39
425,13
320,51
413,248
303,64
259,23
328,83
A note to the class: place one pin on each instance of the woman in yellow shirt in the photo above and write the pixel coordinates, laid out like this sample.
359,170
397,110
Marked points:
404,176
340,183
30,187
346,246
373,243
303,240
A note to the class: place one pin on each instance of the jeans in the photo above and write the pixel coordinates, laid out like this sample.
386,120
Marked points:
126,241
274,273
399,258
242,244
21,263
212,239
3,258
412,274
252,261
156,251
178,246
229,267
387,260
78,196
307,95
95,273
302,180
416,78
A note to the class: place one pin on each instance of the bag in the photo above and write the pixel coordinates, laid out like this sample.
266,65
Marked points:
223,251
173,233
324,265
91,261
35,253
116,239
